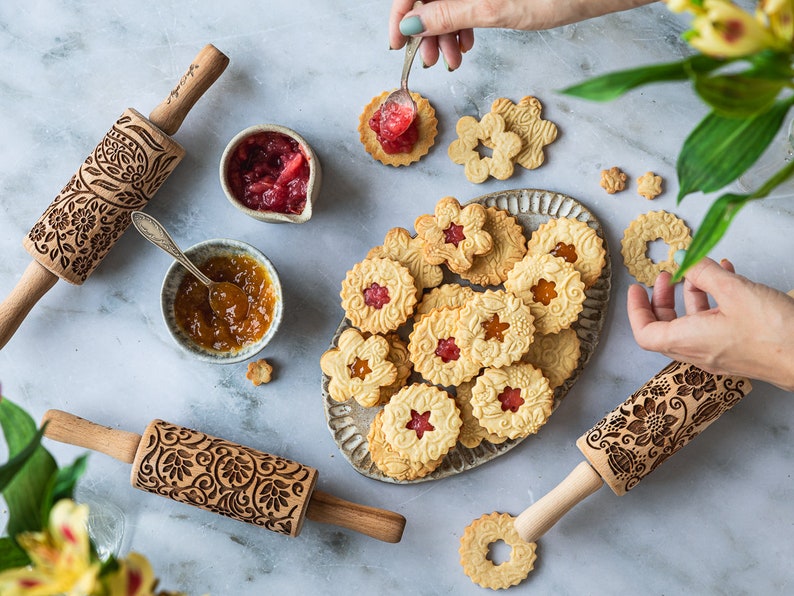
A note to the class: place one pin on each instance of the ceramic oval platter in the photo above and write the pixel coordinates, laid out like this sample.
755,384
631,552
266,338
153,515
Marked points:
349,422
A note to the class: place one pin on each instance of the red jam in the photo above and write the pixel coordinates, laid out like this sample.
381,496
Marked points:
454,234
376,296
511,399
269,171
395,120
447,350
419,423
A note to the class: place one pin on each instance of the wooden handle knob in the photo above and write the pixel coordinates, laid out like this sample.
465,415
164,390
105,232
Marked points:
34,283
376,523
205,69
68,428
538,519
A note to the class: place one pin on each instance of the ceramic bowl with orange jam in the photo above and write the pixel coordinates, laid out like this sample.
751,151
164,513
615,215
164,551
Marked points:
202,331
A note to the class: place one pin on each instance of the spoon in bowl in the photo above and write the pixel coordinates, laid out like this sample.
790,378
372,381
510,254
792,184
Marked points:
227,300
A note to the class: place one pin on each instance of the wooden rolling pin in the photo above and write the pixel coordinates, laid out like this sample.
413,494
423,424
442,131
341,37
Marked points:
92,211
636,437
220,476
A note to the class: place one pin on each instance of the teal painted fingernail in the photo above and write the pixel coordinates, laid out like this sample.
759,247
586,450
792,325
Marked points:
679,255
411,26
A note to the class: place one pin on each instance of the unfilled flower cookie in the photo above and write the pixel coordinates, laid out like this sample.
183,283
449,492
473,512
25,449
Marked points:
378,295
389,461
400,246
453,234
417,139
551,287
421,422
524,119
491,128
434,351
358,367
513,401
474,549
613,180
555,354
509,247
648,227
574,241
495,328
649,185
259,372
451,295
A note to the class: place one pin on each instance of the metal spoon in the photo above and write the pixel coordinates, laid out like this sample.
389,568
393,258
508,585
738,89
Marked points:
227,300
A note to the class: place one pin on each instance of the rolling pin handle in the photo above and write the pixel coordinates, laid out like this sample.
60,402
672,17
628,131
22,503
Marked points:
68,428
538,519
36,281
376,523
205,69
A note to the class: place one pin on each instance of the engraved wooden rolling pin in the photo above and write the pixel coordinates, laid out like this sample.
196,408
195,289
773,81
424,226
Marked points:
220,476
636,437
124,171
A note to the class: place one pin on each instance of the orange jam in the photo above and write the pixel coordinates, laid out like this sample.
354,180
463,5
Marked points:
565,251
196,318
359,369
494,328
544,291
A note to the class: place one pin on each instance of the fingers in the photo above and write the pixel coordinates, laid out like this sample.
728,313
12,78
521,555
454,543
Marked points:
446,16
663,300
398,10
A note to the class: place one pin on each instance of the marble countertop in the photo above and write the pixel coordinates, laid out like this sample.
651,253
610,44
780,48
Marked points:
715,519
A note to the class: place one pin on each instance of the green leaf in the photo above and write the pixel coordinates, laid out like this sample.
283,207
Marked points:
11,555
738,95
62,484
10,469
720,149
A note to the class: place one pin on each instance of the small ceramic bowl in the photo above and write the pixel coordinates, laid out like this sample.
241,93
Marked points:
312,188
177,273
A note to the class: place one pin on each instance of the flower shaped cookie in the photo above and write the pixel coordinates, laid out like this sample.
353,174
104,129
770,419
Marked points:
471,133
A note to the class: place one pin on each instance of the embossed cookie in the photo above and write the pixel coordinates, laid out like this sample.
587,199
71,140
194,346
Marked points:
398,355
471,432
400,246
551,287
574,241
495,328
524,119
648,227
378,295
421,422
555,354
474,550
491,128
509,247
358,367
453,234
649,185
426,131
433,349
613,180
513,401
389,461
451,295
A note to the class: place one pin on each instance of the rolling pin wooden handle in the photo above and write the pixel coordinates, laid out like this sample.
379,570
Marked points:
205,69
376,523
68,428
538,519
34,283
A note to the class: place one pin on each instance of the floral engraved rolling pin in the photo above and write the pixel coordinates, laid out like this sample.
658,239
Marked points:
123,172
636,437
223,477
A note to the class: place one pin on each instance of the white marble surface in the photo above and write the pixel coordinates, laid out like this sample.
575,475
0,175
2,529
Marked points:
715,519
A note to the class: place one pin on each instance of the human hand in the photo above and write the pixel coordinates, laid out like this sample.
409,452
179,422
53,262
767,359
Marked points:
448,25
750,331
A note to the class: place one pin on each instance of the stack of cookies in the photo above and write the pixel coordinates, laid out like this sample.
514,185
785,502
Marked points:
464,361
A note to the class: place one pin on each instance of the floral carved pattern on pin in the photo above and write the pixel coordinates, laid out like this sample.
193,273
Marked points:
195,468
656,421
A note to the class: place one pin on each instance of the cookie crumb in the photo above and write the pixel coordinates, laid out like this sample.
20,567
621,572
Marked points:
649,185
613,180
259,372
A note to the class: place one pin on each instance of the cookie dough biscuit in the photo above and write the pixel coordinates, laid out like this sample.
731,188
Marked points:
509,247
389,461
453,234
471,432
574,241
421,422
398,355
378,295
551,287
524,119
358,367
259,372
474,548
495,328
491,128
613,180
427,124
513,401
555,354
451,295
400,246
649,185
648,227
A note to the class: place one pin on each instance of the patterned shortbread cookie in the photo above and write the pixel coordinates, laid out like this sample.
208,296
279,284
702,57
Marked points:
555,354
474,550
490,129
552,287
449,295
378,295
453,234
649,185
389,461
421,422
400,246
471,432
495,328
509,247
613,180
574,241
358,367
434,351
513,401
398,355
656,225
524,119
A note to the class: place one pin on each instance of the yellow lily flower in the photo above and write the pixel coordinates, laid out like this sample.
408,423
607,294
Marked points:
779,15
684,6
727,31
134,577
60,557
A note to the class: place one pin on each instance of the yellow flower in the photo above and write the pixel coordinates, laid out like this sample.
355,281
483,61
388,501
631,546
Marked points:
726,31
60,557
134,577
684,6
779,15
